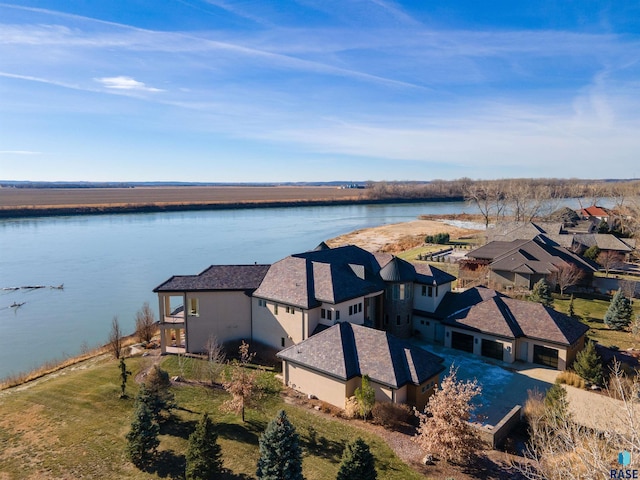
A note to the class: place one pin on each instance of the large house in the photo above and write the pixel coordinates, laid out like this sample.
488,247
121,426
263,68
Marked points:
340,313
521,263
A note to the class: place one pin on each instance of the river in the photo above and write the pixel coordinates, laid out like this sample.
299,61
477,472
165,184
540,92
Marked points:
109,264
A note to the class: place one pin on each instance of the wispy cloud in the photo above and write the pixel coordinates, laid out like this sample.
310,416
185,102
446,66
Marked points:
125,83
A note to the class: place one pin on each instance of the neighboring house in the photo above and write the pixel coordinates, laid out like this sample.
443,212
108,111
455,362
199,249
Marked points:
522,263
605,243
330,366
218,304
485,322
596,212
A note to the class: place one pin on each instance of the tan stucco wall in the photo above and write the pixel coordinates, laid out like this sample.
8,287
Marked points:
269,328
226,315
416,397
309,382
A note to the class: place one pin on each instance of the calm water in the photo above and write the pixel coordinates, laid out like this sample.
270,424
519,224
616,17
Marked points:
110,264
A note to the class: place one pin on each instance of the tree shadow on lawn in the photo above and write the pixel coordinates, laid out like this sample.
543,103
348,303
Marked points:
246,433
168,465
176,427
320,446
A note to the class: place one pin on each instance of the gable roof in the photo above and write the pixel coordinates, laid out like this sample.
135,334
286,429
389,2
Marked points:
485,310
217,277
594,211
346,350
529,256
604,241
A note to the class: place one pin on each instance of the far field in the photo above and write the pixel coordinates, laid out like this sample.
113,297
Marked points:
11,198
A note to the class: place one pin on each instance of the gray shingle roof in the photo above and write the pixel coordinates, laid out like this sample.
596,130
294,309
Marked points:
346,350
217,277
485,310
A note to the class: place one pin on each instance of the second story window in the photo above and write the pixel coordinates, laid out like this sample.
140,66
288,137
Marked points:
194,307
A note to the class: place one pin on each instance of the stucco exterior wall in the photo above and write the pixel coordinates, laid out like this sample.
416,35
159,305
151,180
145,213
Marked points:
272,323
309,382
224,314
425,327
425,302
562,352
509,345
419,398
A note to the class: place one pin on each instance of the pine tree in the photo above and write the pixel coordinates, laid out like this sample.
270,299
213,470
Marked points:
142,439
366,397
588,364
204,457
541,293
619,313
156,394
571,311
280,452
357,462
556,403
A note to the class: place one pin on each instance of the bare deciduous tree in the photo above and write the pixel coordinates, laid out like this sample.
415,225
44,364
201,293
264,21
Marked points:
215,358
561,448
609,260
568,275
115,338
145,323
444,429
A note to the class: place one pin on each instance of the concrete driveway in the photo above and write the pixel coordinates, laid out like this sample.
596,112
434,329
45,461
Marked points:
503,385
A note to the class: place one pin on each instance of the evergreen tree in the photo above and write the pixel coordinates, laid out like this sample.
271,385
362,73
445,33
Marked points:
571,311
366,397
204,458
588,364
142,439
357,462
592,253
280,452
556,403
124,374
541,293
156,394
619,313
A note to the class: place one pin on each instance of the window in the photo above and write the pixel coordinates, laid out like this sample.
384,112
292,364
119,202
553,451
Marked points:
282,341
436,290
421,322
328,314
262,303
194,307
337,314
275,308
291,309
424,290
350,310
359,307
398,320
430,291
408,318
323,313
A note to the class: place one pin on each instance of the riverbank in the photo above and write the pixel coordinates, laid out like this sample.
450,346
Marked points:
24,202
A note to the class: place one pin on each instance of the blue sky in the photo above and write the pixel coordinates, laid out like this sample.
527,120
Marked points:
318,90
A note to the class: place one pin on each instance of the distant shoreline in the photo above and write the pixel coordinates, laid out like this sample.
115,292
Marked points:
36,211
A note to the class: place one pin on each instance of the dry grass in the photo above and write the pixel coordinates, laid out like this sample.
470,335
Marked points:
571,378
29,198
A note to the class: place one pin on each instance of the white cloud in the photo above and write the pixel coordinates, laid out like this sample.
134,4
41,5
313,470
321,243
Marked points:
19,152
125,83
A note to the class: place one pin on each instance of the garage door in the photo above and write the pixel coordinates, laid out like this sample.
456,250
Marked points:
492,349
462,341
545,356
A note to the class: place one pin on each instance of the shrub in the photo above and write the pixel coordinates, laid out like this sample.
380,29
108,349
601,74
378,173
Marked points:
438,238
351,408
391,415
570,378
588,364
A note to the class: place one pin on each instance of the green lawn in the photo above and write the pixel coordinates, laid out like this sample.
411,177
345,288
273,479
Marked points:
73,425
591,312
